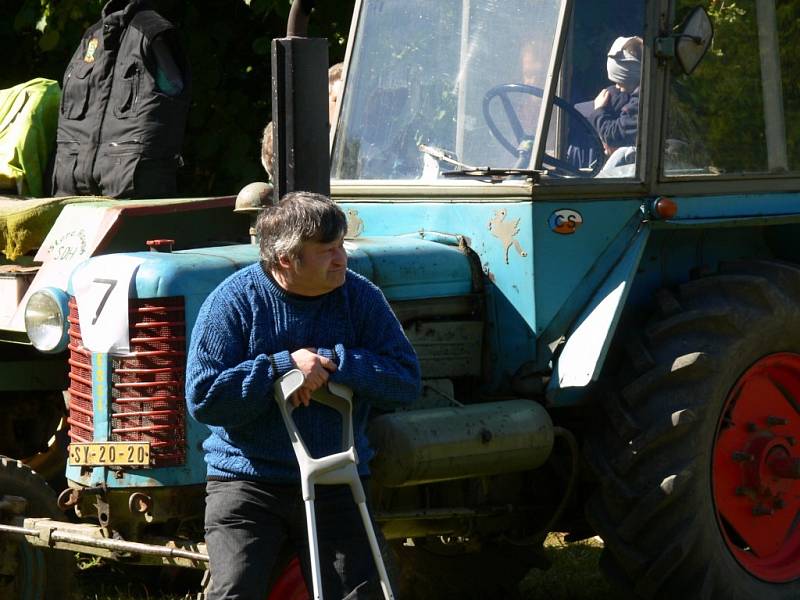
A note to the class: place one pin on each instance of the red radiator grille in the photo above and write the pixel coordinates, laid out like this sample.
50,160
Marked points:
81,422
147,397
147,400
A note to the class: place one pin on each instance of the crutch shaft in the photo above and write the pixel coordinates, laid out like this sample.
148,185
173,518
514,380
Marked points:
376,551
313,547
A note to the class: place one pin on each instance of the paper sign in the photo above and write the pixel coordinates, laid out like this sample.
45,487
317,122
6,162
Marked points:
101,291
76,232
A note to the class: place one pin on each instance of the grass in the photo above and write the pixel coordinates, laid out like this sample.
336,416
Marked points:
574,575
98,579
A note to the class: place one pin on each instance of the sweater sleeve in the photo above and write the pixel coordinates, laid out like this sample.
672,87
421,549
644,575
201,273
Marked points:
617,127
223,387
384,368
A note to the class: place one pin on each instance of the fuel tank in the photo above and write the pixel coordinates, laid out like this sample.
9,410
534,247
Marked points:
439,444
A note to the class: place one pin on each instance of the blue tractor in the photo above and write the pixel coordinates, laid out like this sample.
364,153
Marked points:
609,333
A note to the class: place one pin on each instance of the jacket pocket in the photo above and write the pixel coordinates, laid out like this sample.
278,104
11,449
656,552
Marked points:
115,167
66,161
124,171
125,93
75,97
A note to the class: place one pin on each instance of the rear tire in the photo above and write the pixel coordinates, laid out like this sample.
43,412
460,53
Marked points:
684,467
31,572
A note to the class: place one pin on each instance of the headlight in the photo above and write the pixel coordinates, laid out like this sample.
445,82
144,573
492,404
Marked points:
46,320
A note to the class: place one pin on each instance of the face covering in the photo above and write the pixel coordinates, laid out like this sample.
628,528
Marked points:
622,65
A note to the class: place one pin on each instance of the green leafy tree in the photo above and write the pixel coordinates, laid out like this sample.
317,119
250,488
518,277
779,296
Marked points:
719,109
228,45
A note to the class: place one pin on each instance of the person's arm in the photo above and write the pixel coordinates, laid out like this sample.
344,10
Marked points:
223,387
384,370
617,128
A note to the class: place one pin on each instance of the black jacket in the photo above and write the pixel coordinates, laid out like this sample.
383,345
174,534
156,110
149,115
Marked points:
119,135
617,123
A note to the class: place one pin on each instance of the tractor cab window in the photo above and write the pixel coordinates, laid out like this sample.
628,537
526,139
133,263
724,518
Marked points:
438,90
738,113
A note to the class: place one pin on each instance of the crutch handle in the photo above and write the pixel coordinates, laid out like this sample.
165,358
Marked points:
336,468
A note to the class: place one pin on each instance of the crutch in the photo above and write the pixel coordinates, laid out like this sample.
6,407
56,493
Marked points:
338,468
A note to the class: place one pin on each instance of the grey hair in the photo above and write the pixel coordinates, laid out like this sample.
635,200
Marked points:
298,218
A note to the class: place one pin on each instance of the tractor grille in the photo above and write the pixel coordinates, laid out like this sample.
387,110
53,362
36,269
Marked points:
146,391
147,399
81,415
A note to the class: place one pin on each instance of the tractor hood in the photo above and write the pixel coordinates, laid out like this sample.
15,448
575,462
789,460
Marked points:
404,267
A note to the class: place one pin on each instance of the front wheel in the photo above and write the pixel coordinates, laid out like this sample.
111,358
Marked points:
700,456
30,572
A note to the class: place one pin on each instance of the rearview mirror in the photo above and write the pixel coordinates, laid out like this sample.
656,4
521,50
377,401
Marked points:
693,39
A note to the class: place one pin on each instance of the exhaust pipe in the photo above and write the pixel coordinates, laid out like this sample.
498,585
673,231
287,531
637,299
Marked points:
301,160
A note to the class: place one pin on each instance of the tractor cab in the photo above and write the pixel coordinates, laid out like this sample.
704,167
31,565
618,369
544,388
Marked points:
452,91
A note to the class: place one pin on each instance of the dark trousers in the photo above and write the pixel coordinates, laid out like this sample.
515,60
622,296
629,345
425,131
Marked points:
248,525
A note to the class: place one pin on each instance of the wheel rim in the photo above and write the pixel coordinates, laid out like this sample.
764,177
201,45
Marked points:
756,469
290,585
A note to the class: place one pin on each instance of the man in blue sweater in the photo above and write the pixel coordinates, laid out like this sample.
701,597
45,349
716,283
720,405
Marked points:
300,307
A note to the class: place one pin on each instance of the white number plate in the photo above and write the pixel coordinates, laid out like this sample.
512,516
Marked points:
110,453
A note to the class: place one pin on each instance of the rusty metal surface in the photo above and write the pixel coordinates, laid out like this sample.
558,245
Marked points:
91,539
449,348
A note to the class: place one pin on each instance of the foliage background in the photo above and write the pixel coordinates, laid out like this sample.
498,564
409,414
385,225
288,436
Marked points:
719,108
228,44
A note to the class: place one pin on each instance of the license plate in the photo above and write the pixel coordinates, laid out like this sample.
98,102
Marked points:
110,454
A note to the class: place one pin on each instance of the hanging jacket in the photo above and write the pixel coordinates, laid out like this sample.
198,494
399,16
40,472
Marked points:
122,120
28,118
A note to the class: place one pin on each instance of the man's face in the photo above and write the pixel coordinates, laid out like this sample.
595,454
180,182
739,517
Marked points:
321,268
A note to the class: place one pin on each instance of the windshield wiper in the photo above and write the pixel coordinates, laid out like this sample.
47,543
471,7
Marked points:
491,173
494,174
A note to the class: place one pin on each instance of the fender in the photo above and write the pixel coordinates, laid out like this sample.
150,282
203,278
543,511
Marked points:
584,353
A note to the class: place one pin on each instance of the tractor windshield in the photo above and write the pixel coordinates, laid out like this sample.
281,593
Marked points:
454,85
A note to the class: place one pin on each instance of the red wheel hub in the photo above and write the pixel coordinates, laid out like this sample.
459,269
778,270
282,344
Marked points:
756,469
290,584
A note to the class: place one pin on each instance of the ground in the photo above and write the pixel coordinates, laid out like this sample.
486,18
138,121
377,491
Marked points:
574,576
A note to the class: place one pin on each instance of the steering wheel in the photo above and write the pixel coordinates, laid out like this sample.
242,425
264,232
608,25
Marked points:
524,142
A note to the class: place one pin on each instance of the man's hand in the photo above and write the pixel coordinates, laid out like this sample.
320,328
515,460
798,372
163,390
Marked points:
316,370
602,99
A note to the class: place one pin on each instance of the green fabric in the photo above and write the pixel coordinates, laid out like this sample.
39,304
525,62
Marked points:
24,223
28,121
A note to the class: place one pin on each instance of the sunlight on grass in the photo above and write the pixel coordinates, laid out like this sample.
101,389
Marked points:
574,575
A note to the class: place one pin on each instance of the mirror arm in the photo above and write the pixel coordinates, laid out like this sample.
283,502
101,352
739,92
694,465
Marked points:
665,47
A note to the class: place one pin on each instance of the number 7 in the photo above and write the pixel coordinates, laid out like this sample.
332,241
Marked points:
111,283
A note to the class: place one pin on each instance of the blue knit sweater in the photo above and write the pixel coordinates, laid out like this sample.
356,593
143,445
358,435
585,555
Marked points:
229,375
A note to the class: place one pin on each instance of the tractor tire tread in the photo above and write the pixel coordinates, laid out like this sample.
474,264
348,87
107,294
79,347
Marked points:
646,454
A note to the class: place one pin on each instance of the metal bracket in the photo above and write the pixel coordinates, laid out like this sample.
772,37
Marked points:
665,47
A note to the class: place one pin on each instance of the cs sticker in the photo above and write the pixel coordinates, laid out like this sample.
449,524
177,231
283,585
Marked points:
565,221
